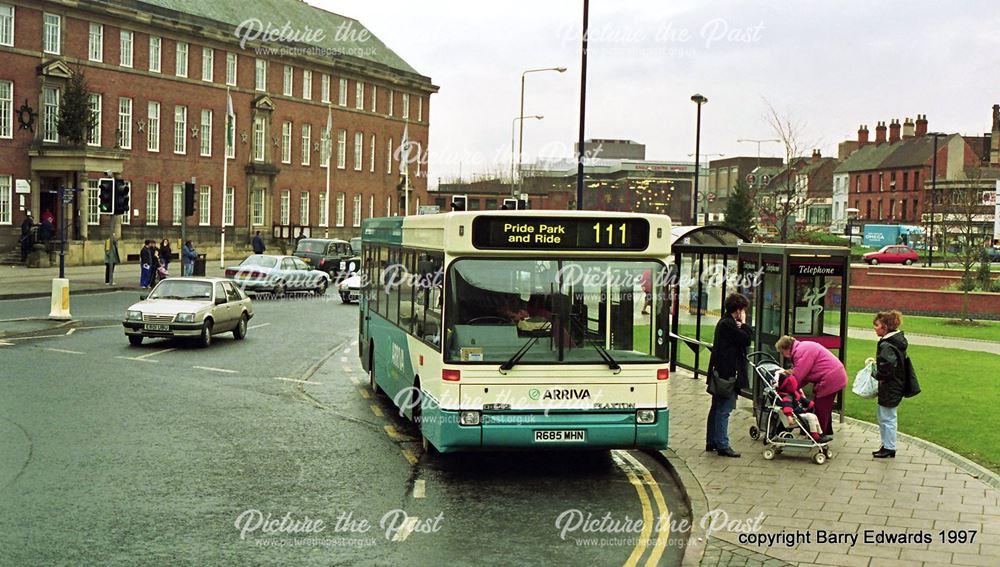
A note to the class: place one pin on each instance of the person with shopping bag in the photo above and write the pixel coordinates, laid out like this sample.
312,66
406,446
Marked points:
891,373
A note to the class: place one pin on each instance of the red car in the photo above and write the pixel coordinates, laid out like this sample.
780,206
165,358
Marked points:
895,254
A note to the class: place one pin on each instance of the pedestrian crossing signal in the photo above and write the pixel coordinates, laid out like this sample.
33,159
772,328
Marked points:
189,208
106,195
459,202
122,197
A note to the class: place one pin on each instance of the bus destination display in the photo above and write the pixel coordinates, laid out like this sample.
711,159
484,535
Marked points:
555,233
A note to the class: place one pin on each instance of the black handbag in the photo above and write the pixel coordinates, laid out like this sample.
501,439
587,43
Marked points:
719,385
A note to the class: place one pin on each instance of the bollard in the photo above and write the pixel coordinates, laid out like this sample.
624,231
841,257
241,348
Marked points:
60,300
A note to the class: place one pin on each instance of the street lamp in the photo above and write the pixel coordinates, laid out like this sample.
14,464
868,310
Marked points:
699,100
758,142
934,157
512,124
520,143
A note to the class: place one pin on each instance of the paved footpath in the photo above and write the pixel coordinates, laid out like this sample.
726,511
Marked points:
924,490
18,281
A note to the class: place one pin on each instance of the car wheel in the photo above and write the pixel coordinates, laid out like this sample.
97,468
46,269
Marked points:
345,297
279,290
873,261
908,261
322,287
240,332
206,334
135,340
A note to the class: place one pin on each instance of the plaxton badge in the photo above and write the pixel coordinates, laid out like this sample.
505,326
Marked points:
548,233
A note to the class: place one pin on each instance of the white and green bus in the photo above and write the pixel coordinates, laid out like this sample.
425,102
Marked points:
520,329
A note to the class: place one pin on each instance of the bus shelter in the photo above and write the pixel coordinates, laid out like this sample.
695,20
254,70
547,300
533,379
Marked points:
798,290
705,261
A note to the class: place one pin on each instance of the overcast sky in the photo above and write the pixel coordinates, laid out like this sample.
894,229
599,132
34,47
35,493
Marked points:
828,66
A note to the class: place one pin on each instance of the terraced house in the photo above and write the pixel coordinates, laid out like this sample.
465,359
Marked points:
159,72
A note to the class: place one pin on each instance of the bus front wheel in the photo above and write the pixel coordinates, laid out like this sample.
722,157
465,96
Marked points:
371,371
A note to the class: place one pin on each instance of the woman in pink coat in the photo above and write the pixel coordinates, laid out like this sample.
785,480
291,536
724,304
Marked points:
814,364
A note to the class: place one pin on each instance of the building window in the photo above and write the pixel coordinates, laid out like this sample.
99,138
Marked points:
879,209
325,147
324,211
154,54
417,157
388,206
286,143
371,155
205,206
95,45
906,181
359,142
307,85
916,181
52,34
152,204
359,95
341,149
306,143
231,60
206,133
153,127
902,212
207,64
94,135
258,138
406,106
6,109
342,94
182,59
126,39
869,183
50,99
228,204
289,80
260,75
881,182
231,137
371,206
374,98
177,204
388,158
6,25
125,123
6,200
892,208
304,209
257,208
356,211
284,205
324,88
392,96
93,202
420,109
180,129
340,209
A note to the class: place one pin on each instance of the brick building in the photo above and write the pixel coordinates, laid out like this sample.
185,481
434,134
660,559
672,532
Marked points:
723,175
160,70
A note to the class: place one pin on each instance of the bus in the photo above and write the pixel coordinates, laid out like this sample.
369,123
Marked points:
520,329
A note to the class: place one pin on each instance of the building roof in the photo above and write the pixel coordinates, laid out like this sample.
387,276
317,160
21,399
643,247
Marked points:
300,17
910,152
869,157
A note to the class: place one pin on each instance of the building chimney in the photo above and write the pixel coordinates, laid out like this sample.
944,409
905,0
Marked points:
816,156
862,135
921,125
894,131
907,128
880,133
995,137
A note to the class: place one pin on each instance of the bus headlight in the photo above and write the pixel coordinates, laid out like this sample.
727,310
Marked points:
645,416
468,418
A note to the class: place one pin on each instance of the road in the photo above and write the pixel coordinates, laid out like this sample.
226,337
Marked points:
272,450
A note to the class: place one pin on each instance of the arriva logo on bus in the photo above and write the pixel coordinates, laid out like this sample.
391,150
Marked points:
560,394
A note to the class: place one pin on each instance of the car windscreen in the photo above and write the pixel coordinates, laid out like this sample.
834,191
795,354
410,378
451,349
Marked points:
313,246
263,261
183,289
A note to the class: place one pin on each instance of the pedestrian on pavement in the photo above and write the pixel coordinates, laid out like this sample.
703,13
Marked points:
188,256
26,226
890,371
165,253
46,231
111,259
729,358
814,364
258,244
48,216
147,261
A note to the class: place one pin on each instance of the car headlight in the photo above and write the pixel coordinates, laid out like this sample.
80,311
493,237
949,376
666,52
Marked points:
185,318
134,315
645,416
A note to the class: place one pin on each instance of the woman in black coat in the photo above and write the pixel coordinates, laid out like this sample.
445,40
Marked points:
890,371
729,358
165,253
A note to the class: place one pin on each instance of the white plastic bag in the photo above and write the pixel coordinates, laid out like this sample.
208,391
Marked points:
865,384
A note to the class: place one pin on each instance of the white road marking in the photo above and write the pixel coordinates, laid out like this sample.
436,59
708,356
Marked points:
407,529
258,326
6,344
209,368
347,351
419,488
154,353
64,350
293,380
71,331
343,359
136,359
348,369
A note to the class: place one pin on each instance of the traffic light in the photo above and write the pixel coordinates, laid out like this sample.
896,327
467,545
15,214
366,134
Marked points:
510,204
189,208
121,197
459,202
106,197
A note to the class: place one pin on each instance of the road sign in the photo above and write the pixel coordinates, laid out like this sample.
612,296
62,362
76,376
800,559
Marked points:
711,197
765,179
751,178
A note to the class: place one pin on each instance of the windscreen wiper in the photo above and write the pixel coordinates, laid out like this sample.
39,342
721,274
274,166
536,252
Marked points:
604,354
518,355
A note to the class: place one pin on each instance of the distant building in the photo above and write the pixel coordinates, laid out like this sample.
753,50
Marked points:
612,149
722,177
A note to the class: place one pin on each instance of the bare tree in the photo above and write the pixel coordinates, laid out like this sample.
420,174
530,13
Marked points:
785,197
965,220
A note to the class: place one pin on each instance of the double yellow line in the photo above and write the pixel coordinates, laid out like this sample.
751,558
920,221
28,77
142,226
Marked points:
642,480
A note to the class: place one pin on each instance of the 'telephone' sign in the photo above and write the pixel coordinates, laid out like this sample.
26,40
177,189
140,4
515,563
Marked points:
550,233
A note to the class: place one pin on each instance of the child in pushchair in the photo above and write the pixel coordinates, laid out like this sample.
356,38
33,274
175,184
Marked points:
783,410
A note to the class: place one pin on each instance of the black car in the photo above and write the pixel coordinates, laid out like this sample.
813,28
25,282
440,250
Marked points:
325,254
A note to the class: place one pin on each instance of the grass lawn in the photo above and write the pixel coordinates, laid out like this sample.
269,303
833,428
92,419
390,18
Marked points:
937,326
957,404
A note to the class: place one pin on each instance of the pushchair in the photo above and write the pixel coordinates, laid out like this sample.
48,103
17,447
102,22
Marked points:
771,425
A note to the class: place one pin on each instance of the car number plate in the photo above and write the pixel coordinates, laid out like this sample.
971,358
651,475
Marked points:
560,436
242,276
307,260
156,327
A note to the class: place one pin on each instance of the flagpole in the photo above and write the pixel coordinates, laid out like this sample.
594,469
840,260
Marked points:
404,159
225,180
328,151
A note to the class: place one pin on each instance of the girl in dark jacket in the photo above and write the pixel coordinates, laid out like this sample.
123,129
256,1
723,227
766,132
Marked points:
729,358
890,372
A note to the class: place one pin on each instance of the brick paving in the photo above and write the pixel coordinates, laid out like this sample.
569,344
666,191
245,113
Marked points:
924,490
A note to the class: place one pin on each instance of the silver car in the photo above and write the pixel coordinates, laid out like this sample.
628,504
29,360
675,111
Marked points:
189,307
278,274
